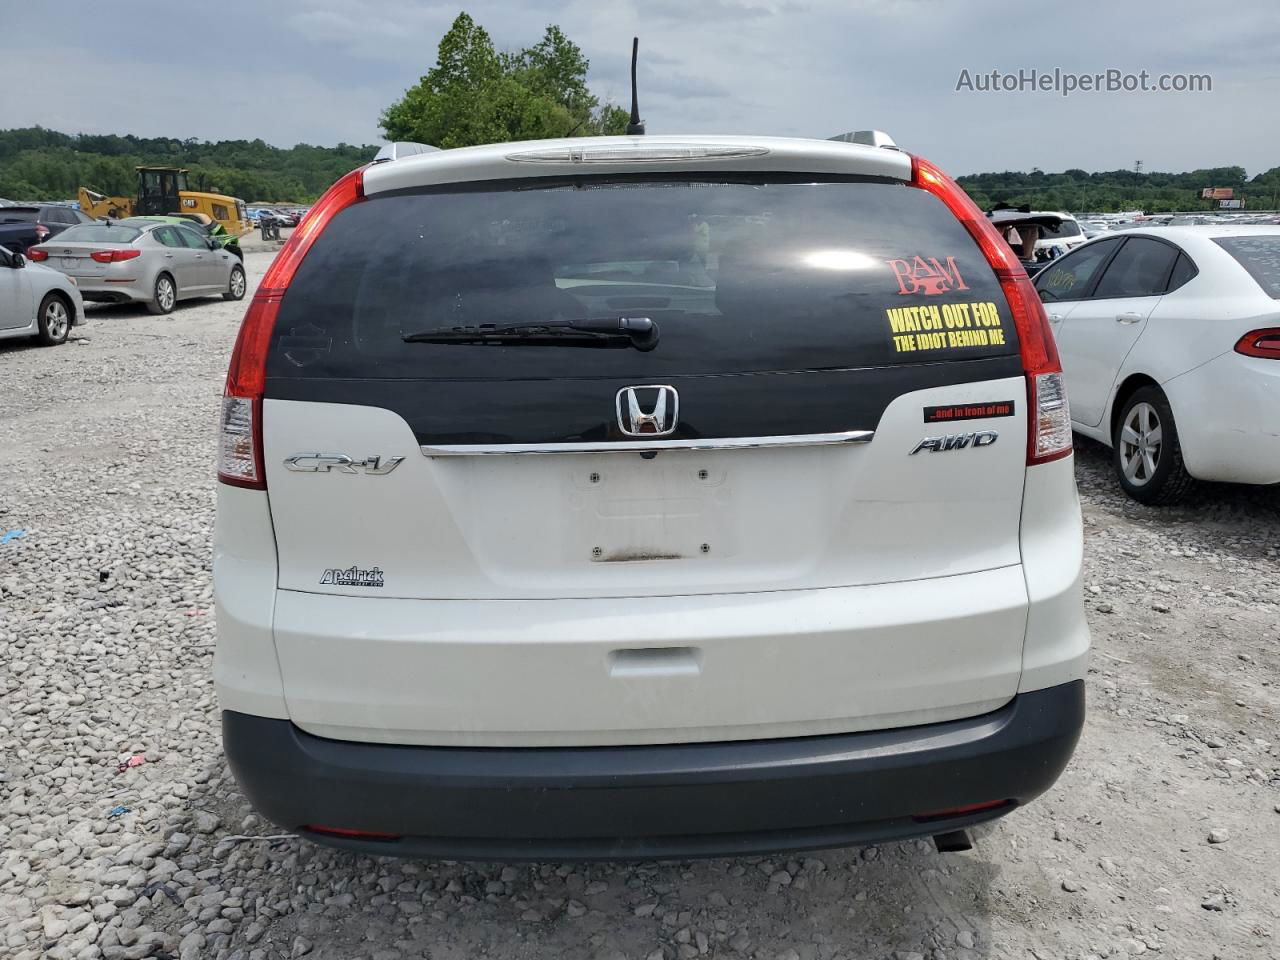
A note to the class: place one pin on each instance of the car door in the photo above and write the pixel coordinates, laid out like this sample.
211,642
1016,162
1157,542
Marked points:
1066,284
180,260
16,308
198,246
1103,328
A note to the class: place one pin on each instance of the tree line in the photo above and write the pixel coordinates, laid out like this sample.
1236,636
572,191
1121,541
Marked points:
1113,190
40,164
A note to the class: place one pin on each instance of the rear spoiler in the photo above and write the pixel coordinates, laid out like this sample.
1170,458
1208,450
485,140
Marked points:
870,138
401,149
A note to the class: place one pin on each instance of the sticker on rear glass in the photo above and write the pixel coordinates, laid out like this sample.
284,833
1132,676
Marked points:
968,411
927,275
945,327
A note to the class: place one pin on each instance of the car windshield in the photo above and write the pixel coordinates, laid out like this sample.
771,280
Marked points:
1067,228
99,233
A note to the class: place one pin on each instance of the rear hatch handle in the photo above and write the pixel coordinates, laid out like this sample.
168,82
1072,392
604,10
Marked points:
648,446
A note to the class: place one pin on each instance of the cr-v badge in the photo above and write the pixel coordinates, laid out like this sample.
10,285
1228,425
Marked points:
326,462
956,441
649,411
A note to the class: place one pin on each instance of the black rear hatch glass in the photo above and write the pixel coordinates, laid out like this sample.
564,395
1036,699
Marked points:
785,286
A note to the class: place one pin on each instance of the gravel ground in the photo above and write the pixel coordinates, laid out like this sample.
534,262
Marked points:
1163,836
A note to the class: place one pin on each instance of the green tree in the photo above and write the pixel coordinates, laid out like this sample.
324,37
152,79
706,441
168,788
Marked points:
474,94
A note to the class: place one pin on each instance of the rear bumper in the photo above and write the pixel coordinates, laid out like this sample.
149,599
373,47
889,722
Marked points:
97,290
683,800
1226,419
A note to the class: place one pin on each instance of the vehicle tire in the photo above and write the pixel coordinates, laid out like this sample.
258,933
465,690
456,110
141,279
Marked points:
1146,452
165,295
53,321
236,285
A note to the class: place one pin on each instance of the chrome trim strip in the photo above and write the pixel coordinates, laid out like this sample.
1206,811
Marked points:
649,446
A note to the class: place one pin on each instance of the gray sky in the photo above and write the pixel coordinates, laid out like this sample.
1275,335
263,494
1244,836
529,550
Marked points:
785,67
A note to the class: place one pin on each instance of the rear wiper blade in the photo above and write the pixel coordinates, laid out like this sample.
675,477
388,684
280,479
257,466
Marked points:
639,332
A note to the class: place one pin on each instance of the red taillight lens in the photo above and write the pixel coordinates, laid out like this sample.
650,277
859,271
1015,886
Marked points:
42,231
114,256
240,458
1049,419
37,255
1260,343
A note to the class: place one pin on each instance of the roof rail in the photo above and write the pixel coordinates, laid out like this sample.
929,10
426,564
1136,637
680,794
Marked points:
401,149
870,138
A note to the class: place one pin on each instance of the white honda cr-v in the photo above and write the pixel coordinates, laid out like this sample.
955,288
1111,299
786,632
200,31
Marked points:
638,497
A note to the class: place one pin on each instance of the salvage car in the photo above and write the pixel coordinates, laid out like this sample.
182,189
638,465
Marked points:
619,497
35,301
142,261
1170,343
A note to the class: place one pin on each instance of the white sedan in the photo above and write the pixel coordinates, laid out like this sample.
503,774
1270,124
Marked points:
1170,343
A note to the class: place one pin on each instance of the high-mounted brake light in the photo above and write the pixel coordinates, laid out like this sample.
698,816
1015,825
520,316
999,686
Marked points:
1260,343
1049,418
639,153
39,256
240,459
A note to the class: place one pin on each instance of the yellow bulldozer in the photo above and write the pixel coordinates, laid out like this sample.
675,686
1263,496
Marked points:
162,191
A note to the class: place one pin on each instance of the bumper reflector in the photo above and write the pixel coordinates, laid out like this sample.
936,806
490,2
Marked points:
353,834
963,811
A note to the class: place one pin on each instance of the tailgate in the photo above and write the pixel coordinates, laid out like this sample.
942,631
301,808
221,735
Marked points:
620,525
680,669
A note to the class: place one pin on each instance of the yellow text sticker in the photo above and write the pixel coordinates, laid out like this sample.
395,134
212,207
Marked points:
945,326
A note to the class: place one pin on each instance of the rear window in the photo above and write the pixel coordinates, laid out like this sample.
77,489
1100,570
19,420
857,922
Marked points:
1258,255
18,214
1067,228
740,275
99,233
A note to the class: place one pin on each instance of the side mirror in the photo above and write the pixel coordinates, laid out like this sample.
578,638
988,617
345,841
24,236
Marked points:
17,260
213,244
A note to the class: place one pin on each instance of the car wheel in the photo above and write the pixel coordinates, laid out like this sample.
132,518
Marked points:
236,287
166,295
1146,451
53,321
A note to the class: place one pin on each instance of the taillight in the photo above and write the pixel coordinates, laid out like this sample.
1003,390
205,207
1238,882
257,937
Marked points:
1048,417
240,460
42,232
1260,343
37,255
114,256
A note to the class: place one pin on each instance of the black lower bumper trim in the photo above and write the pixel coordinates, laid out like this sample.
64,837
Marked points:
641,802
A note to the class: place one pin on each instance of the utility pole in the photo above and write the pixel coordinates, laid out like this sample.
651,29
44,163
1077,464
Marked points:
1137,166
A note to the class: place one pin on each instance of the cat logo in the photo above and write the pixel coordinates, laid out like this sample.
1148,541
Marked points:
956,441
930,277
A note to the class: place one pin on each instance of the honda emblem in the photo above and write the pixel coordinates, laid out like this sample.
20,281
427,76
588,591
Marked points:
648,411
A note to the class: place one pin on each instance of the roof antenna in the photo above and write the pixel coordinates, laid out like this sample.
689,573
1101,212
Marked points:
635,127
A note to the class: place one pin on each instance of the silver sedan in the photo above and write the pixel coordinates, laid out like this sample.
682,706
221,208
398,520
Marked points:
35,302
142,261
